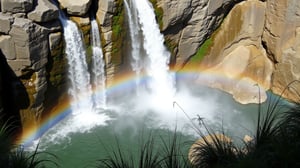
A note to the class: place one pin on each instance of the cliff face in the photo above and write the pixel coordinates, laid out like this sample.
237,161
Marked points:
25,29
281,38
252,43
237,53
187,23
257,42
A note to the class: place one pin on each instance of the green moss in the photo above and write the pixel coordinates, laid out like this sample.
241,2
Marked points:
118,33
89,54
202,51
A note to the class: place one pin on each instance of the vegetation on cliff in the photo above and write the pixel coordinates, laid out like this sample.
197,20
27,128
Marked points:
159,13
118,33
201,52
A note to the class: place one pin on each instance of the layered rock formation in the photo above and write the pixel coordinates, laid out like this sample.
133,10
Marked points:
25,28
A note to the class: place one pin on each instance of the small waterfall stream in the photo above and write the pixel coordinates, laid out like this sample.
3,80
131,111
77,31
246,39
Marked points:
80,89
141,17
135,36
98,67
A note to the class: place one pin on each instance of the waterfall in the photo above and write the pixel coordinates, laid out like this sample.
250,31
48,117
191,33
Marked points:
80,89
134,31
98,68
161,82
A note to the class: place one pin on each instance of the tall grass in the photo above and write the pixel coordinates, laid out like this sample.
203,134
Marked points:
154,152
14,156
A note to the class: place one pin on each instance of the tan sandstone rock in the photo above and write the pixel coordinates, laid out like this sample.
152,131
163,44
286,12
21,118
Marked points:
44,11
282,39
6,21
78,7
238,55
186,24
16,6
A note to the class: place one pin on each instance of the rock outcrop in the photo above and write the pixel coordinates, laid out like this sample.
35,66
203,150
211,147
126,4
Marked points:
105,13
16,6
44,12
282,39
25,44
187,23
79,8
237,53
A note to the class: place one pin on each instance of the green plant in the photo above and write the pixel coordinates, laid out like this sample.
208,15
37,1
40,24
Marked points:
118,34
152,154
13,156
118,159
202,51
21,159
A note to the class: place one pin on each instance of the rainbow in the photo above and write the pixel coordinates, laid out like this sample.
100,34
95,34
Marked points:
121,83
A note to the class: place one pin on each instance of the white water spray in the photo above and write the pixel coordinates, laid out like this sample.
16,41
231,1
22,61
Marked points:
161,83
98,67
80,88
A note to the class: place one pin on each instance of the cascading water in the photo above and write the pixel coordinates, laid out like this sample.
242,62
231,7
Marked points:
80,89
135,38
98,67
84,115
161,82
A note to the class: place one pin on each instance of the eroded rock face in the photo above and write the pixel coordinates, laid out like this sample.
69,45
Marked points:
43,12
186,23
31,45
79,8
25,47
16,6
237,53
282,39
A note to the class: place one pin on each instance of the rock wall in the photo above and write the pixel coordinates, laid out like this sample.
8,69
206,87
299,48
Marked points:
187,23
25,28
262,37
281,38
237,53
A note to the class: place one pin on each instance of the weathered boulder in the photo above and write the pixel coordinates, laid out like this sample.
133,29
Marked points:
31,44
44,11
79,8
195,153
16,6
6,45
6,21
282,39
236,52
